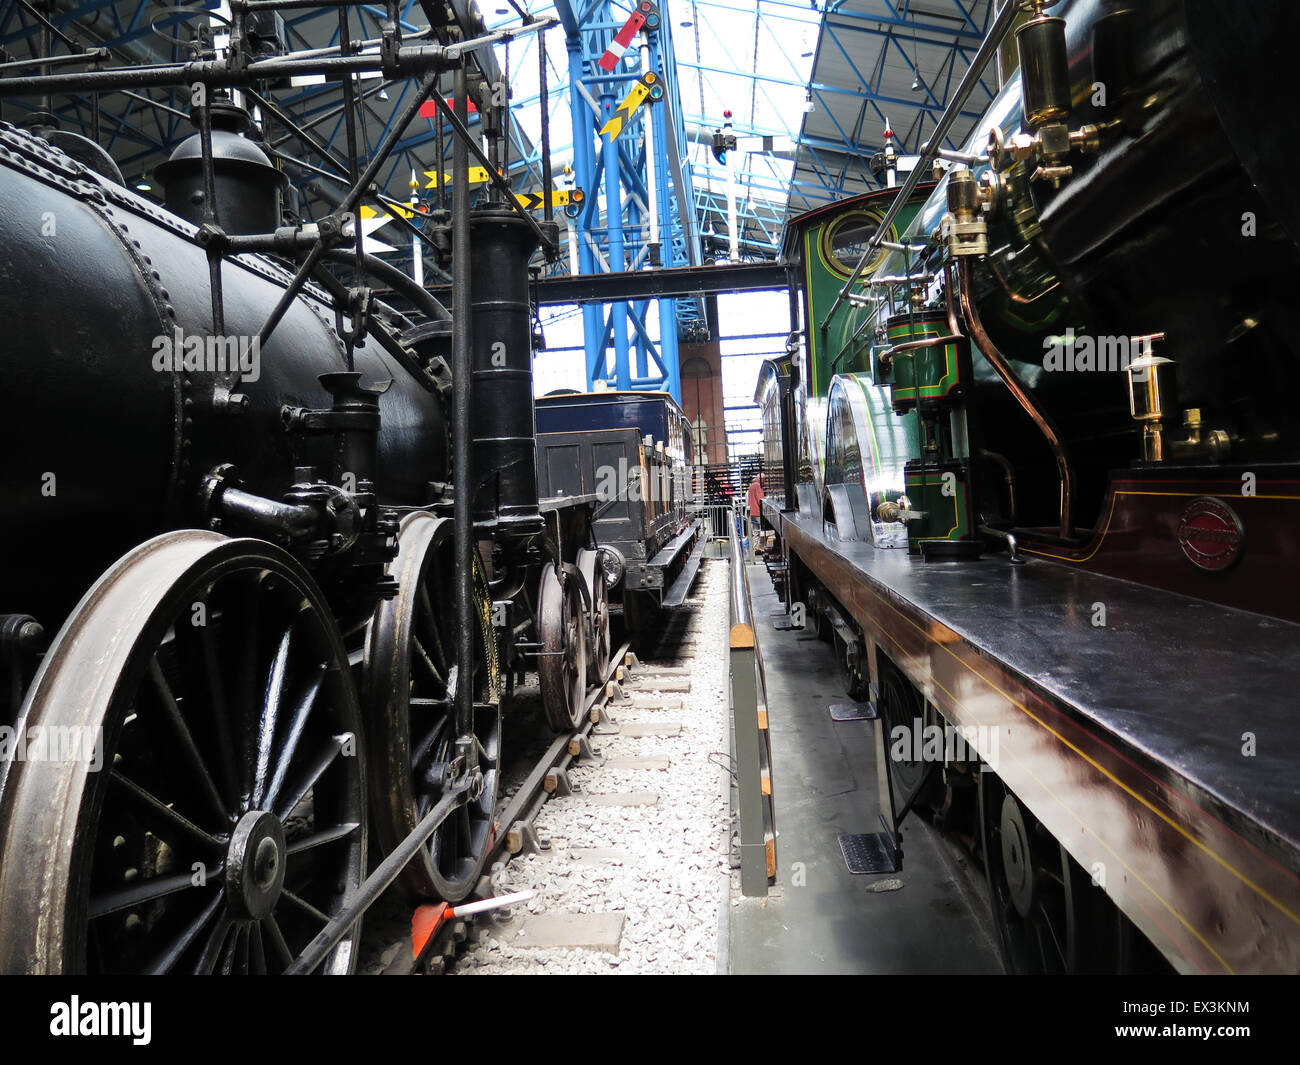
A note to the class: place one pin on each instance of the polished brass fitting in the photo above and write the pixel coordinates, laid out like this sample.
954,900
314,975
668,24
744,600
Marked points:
968,232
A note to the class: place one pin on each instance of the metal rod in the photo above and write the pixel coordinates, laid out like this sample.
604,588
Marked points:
1039,417
214,250
461,376
988,49
92,56
290,293
410,61
49,27
391,138
373,886
548,208
348,203
350,120
463,134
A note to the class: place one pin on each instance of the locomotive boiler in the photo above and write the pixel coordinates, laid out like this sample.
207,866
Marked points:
274,552
1040,459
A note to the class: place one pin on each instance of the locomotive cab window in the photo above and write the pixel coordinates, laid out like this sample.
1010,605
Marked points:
844,241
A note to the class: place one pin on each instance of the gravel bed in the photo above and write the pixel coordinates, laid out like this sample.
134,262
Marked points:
674,855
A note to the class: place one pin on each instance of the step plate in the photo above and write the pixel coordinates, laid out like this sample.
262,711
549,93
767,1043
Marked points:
868,854
853,712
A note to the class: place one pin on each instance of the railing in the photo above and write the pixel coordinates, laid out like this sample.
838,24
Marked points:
750,745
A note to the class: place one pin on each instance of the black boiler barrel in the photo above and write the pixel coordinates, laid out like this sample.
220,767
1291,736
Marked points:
501,427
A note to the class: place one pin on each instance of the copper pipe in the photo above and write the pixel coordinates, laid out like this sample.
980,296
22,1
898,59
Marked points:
916,345
1040,418
1009,474
949,284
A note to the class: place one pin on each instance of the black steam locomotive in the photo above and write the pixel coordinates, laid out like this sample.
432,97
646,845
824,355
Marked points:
1078,348
267,572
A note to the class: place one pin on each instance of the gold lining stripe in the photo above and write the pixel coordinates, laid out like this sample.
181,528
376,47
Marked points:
1101,769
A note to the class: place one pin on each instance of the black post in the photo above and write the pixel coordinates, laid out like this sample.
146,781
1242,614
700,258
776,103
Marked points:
460,424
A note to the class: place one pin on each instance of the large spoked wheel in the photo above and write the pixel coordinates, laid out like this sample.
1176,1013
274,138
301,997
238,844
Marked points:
597,629
562,664
410,659
205,812
1050,916
901,707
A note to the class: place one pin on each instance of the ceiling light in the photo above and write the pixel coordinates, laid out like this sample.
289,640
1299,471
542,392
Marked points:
144,184
808,106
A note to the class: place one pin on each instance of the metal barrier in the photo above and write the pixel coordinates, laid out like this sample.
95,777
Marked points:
751,749
719,527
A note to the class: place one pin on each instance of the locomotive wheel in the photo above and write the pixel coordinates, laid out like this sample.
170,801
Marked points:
220,822
1050,917
410,655
562,665
597,634
900,706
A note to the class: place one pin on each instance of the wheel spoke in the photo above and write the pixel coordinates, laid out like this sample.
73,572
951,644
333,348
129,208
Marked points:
422,656
220,718
185,741
424,613
256,950
207,962
320,762
247,706
319,839
305,703
280,948
421,754
301,904
163,820
230,953
146,891
175,950
276,681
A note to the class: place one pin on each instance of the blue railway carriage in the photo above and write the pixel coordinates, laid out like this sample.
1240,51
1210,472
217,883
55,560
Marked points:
632,450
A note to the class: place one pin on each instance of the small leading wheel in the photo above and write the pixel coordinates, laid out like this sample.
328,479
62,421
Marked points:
410,656
562,664
206,813
597,633
1050,917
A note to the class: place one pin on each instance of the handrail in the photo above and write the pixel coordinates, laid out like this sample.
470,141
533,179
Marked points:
751,749
988,49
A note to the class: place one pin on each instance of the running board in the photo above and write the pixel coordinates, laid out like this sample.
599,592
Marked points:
682,585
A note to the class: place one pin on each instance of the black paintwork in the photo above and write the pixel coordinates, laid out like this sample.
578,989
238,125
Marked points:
1175,679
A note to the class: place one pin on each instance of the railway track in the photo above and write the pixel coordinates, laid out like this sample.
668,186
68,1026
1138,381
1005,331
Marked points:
551,781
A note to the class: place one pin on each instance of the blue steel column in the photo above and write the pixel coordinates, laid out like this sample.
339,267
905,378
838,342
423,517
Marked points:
589,25
670,250
614,234
593,327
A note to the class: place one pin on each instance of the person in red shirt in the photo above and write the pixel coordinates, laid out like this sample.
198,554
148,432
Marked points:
754,503
754,497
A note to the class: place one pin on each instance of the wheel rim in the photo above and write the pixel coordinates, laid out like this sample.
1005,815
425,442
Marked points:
227,824
562,666
901,709
1049,915
409,654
